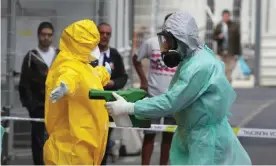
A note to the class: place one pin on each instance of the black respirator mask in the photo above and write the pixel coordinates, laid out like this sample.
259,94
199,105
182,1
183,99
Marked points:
168,48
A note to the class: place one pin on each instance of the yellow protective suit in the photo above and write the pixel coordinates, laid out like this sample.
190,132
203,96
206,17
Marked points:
77,126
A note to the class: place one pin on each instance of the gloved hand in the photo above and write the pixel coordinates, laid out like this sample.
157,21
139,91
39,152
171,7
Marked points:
145,98
108,68
120,106
58,92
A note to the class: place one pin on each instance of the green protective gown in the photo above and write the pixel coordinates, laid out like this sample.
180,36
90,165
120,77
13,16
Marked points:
199,99
2,134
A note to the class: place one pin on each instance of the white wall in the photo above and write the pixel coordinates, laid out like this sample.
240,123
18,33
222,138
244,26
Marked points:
83,9
63,16
26,39
147,13
143,10
26,26
152,13
197,9
272,16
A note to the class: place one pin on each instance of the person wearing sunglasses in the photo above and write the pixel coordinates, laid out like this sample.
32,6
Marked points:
118,79
199,98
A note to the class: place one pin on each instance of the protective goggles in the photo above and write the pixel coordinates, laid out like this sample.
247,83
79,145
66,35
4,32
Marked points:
166,41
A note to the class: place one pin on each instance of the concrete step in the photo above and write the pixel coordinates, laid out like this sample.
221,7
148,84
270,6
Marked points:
268,54
268,81
271,61
269,45
269,38
268,71
268,60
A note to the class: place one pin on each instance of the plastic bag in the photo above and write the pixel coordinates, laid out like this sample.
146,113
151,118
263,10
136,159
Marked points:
237,72
244,67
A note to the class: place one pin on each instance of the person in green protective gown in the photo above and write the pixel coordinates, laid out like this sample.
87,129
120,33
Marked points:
199,98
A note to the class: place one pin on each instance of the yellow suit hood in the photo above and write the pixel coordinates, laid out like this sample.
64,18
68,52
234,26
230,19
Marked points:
80,38
77,126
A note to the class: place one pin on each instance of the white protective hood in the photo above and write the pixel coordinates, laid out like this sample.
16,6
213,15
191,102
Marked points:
183,27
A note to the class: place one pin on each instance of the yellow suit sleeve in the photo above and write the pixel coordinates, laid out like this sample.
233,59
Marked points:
103,74
70,77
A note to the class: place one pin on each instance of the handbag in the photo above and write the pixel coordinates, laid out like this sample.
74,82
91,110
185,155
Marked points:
244,67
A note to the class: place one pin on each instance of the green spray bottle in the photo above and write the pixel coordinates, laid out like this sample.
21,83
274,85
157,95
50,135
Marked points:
130,95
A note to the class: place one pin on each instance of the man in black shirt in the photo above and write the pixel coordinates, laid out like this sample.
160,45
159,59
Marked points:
118,77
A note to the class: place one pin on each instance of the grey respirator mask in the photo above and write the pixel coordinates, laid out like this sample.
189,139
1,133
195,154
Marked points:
168,47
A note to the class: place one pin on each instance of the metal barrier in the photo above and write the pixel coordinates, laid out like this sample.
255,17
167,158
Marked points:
240,132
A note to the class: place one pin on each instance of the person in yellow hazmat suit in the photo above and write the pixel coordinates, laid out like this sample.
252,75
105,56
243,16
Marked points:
77,126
